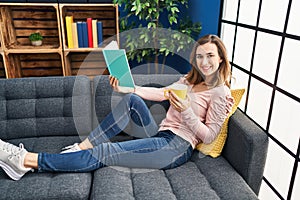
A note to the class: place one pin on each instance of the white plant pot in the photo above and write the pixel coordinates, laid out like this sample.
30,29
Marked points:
37,43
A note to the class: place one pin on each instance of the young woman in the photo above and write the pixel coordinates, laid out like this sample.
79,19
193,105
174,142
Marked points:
197,118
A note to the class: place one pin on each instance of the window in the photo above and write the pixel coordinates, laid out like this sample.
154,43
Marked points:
248,12
266,56
273,14
293,25
243,47
290,67
259,102
263,42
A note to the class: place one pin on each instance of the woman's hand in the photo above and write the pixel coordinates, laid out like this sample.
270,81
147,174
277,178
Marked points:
179,104
230,103
114,82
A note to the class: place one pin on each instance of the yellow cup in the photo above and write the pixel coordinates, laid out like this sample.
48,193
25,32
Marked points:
179,89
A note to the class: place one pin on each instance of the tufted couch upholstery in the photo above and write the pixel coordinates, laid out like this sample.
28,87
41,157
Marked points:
46,114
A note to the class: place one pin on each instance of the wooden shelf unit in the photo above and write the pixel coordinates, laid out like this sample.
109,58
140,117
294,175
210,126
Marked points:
90,64
89,61
2,69
19,20
53,58
2,66
35,64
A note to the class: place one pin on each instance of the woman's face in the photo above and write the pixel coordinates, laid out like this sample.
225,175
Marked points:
207,58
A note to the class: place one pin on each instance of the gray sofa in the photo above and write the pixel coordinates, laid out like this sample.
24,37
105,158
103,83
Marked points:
46,114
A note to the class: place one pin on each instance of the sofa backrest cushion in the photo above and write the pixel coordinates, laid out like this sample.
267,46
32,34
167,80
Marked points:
47,106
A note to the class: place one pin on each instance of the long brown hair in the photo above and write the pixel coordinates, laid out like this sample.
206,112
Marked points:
194,76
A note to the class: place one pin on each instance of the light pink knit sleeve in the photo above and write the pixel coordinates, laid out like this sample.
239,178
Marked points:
207,131
152,93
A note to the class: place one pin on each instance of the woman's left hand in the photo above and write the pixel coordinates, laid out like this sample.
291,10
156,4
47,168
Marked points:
230,103
179,104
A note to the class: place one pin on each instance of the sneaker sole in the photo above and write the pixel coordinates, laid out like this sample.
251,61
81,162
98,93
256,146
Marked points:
10,171
69,151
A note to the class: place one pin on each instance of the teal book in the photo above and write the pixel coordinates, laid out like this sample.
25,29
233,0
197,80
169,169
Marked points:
117,63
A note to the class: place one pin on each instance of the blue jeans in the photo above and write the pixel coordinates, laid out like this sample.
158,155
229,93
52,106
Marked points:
156,150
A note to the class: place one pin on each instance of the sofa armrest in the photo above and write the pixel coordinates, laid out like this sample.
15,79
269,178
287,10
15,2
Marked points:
246,149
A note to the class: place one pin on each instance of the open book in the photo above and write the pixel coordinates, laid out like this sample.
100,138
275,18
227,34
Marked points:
117,63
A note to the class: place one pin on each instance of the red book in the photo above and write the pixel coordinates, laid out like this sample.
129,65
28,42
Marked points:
90,32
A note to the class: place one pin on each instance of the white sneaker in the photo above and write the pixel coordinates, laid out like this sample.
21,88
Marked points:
72,148
12,160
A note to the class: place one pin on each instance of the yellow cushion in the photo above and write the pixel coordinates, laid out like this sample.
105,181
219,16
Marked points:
214,149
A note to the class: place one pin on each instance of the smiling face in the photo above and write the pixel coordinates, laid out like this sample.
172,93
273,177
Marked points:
209,62
207,59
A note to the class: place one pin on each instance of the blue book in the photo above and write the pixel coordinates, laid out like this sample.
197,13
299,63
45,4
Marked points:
80,34
100,33
85,35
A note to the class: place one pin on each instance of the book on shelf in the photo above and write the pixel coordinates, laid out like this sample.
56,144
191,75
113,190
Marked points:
83,34
90,32
80,34
69,21
95,34
100,34
75,35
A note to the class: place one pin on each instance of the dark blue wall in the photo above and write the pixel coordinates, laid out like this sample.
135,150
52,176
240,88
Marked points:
207,12
204,11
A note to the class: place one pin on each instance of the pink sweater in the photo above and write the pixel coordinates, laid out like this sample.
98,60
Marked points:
202,121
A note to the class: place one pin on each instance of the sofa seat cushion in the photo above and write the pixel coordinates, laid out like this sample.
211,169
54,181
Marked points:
184,182
46,185
223,178
196,179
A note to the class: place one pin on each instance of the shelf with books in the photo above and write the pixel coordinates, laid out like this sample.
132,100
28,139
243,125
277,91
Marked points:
88,25
20,20
86,29
82,50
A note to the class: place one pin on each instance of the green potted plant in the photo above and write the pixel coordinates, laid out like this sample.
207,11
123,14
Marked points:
36,39
148,18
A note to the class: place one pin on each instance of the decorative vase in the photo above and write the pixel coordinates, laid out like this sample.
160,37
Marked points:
37,43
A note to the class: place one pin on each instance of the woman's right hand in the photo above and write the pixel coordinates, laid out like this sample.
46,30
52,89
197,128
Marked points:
114,82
